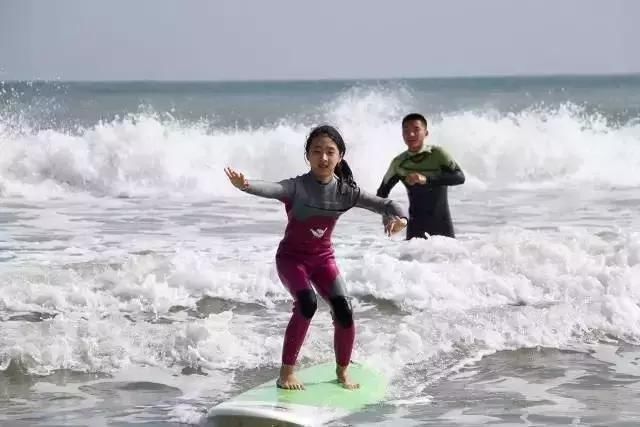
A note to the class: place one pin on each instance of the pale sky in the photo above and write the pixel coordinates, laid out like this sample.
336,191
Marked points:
303,39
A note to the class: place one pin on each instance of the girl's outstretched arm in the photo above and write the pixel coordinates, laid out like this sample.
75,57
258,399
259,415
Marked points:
394,215
282,190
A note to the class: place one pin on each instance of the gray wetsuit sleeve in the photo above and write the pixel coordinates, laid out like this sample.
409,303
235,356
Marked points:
282,190
385,207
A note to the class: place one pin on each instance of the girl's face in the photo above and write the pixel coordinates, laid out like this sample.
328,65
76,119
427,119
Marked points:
323,156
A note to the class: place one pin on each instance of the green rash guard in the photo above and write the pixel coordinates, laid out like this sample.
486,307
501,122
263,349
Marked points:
428,203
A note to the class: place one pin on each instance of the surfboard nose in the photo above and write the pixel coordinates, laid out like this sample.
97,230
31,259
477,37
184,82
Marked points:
323,399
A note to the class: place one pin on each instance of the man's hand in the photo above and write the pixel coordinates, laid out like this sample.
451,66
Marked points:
416,178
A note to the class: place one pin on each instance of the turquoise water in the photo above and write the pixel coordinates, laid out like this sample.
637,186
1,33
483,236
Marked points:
267,103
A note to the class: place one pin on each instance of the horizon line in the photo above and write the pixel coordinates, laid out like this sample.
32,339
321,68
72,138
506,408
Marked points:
332,79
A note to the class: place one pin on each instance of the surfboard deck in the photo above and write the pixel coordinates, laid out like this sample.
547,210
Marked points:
322,400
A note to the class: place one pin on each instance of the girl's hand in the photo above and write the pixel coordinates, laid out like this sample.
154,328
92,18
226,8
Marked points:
395,225
237,178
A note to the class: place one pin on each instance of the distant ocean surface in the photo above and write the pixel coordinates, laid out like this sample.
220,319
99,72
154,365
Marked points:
138,287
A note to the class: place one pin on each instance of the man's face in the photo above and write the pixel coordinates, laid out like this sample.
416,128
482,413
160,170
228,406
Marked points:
414,132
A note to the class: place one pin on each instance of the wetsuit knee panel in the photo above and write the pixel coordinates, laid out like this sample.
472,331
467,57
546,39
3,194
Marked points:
342,312
307,303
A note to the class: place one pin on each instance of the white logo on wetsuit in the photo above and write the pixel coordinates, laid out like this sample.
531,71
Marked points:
318,232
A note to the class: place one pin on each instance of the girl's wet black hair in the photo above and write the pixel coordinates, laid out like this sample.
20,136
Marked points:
342,171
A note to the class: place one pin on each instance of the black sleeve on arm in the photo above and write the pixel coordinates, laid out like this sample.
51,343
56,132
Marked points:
386,186
447,176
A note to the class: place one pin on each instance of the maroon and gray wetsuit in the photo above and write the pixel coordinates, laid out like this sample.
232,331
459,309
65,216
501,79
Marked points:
305,256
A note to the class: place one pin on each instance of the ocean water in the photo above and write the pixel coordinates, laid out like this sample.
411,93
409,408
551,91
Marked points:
137,286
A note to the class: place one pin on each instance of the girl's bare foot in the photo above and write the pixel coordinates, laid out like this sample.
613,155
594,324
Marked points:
288,380
343,378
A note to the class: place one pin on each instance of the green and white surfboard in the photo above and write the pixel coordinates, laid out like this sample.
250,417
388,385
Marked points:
322,400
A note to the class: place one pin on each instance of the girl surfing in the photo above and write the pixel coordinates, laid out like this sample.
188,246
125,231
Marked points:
305,256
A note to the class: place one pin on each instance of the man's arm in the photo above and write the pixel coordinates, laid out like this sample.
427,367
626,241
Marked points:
450,171
390,179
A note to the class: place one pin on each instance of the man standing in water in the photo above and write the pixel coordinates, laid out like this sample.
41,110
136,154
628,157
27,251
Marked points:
426,171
